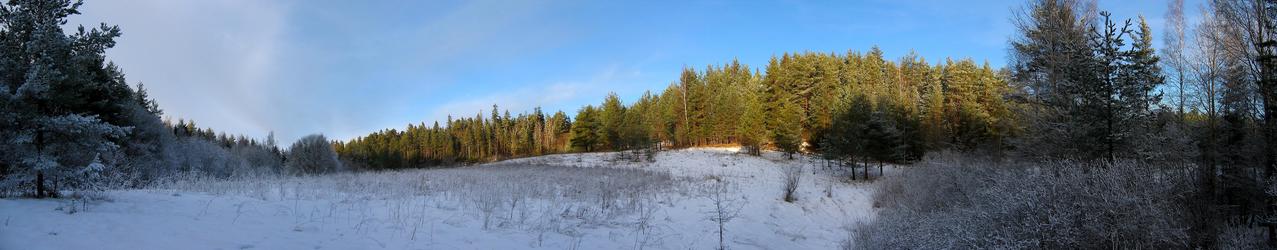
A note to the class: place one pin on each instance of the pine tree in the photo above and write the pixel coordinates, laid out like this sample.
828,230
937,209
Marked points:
912,143
66,103
774,97
788,124
694,97
671,114
585,130
751,128
846,139
634,132
882,136
611,117
559,128
793,107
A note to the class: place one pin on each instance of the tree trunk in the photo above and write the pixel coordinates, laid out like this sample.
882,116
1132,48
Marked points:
1268,93
1108,132
1265,44
39,175
39,185
720,230
853,167
879,168
866,168
1205,233
1182,117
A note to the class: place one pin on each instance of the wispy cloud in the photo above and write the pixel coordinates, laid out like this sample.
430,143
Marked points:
250,67
565,96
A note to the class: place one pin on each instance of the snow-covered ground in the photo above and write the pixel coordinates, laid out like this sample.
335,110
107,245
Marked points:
570,201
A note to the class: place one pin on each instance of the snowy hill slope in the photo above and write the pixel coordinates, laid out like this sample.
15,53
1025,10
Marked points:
570,201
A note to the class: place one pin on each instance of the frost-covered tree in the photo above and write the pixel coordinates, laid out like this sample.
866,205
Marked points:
312,154
8,147
66,105
726,206
66,150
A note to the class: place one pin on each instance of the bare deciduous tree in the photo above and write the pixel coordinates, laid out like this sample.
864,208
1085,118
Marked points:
726,207
1256,42
1173,51
792,176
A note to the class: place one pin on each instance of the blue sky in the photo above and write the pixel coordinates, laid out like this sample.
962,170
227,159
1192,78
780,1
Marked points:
347,68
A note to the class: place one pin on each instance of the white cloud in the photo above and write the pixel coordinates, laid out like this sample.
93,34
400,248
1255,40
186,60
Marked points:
202,60
250,67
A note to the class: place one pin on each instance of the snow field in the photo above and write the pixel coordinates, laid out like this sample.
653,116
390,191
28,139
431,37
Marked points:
569,201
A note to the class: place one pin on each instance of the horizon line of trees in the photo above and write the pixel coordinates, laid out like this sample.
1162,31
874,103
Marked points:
910,106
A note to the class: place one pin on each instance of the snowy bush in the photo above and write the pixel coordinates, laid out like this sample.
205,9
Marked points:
193,155
952,201
312,155
260,159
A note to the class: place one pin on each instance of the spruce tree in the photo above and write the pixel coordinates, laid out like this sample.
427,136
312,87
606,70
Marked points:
1142,74
1053,61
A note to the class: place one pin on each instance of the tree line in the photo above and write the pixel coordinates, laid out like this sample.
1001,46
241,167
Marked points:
907,105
